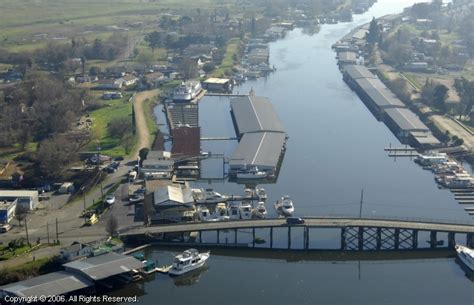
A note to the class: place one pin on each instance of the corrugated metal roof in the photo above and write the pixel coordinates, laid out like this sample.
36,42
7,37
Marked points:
178,193
347,56
21,193
104,266
220,81
260,149
255,114
358,71
379,93
406,120
56,283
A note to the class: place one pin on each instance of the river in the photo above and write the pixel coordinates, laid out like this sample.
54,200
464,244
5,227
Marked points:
335,150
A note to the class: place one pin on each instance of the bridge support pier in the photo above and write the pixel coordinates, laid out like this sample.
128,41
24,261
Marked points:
218,235
433,239
306,238
470,240
271,237
361,238
253,237
396,242
200,237
289,237
343,239
182,237
451,240
379,239
235,236
414,240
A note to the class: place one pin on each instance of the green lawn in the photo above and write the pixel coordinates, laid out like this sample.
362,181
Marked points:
228,61
100,136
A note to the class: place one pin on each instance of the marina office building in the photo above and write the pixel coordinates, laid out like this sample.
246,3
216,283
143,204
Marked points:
260,132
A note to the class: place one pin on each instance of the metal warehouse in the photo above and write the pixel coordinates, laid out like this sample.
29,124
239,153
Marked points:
254,114
403,121
262,149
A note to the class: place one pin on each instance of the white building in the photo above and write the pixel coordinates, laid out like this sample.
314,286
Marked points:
26,199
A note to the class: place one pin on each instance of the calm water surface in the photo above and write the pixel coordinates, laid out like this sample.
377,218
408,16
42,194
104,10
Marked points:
335,149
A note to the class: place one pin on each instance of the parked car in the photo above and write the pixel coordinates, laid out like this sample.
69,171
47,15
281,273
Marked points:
110,199
294,221
5,228
135,198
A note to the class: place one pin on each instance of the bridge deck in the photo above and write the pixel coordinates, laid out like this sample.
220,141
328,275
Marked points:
309,222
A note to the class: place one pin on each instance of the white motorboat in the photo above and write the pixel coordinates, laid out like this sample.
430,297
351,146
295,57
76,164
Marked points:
252,173
203,213
248,193
220,212
260,211
188,261
234,211
285,206
207,196
245,210
261,194
466,255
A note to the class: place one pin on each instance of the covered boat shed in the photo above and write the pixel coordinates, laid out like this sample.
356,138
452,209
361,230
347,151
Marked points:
254,114
403,122
262,149
104,266
56,283
377,96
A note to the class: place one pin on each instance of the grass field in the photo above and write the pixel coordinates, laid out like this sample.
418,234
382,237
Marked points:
121,109
228,61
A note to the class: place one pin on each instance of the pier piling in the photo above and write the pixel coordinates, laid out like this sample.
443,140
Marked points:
414,239
271,237
451,240
433,239
289,237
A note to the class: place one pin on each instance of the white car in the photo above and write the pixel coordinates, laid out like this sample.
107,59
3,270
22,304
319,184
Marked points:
110,199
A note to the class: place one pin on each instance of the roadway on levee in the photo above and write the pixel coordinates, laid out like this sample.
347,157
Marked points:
309,222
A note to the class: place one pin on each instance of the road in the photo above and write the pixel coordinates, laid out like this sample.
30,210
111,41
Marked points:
339,222
143,133
445,123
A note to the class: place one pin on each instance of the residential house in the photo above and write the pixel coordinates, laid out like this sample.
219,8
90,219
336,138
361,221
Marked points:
128,80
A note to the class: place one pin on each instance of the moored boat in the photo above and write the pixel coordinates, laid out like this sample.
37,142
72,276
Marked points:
261,193
245,210
188,261
252,173
260,211
466,255
285,206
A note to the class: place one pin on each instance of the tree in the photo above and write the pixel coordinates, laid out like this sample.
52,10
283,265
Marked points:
188,68
111,226
374,33
119,128
54,154
208,68
465,90
20,213
143,153
440,95
154,40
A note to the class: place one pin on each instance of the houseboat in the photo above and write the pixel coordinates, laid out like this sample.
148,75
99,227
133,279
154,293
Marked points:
187,91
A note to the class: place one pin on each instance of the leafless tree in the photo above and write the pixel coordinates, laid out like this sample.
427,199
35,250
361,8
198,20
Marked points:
112,225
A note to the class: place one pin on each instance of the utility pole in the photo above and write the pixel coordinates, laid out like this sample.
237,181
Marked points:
26,230
47,231
361,201
84,199
57,234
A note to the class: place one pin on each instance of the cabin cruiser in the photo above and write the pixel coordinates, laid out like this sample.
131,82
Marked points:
248,193
203,213
285,206
221,212
261,194
188,261
260,211
466,255
187,91
245,210
252,173
432,158
234,210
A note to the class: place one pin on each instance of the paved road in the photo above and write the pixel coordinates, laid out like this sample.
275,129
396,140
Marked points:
454,128
310,222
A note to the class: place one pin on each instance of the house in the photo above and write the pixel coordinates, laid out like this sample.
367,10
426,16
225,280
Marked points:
109,84
128,80
157,169
7,211
26,199
154,80
75,251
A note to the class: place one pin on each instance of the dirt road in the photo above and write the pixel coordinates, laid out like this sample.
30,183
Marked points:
143,133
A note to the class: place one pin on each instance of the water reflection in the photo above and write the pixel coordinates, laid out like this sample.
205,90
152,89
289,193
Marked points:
190,278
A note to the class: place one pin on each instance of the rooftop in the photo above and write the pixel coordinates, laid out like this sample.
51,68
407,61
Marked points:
406,119
260,149
220,81
180,194
379,93
18,193
255,114
56,283
358,71
104,266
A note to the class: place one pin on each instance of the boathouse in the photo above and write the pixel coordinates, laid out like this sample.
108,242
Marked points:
56,283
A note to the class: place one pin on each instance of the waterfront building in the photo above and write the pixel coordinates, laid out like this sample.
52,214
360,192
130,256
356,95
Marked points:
26,199
7,211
